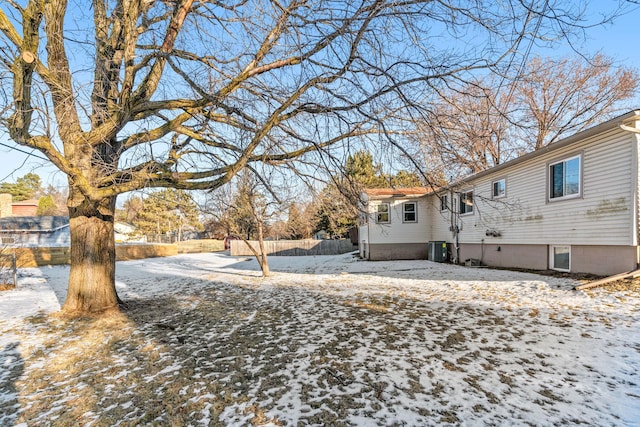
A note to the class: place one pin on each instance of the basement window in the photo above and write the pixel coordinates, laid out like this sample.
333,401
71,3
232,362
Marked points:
560,258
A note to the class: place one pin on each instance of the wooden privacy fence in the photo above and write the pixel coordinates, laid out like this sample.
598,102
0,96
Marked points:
294,247
36,256
60,255
200,246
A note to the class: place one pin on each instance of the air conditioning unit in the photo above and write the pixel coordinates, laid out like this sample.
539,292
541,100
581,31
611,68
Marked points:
437,251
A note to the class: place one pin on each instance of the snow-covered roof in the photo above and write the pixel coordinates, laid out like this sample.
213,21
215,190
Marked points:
33,224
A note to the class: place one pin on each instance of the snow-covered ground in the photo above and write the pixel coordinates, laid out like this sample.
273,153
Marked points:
326,340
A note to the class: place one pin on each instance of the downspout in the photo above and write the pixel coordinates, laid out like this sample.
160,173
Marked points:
455,229
367,218
629,128
368,233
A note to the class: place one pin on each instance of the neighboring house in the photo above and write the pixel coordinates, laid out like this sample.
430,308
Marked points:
125,232
10,208
571,206
49,231
24,208
44,231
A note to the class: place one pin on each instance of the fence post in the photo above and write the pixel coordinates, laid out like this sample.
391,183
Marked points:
15,270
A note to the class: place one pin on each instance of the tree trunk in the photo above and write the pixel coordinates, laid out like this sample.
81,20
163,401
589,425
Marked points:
93,257
262,259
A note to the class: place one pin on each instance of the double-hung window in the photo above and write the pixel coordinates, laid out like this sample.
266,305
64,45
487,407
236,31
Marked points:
382,213
410,212
498,188
565,178
466,202
444,202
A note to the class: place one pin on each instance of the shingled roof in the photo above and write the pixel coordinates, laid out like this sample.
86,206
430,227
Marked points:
33,224
397,192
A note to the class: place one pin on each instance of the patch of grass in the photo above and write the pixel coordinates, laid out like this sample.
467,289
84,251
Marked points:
7,286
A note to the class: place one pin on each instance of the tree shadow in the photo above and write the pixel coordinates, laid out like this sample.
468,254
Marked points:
207,351
12,369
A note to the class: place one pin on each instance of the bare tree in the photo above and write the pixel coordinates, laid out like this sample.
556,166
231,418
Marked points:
480,124
563,96
187,93
469,129
243,211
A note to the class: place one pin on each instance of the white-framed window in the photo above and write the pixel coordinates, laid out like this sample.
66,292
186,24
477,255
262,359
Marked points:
499,188
382,213
560,257
444,202
410,212
565,178
466,202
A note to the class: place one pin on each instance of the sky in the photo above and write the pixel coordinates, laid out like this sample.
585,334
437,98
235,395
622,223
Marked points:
616,40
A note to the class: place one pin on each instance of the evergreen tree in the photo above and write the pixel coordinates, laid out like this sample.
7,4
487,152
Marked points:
46,206
337,205
59,198
362,171
24,188
404,179
300,222
168,211
336,212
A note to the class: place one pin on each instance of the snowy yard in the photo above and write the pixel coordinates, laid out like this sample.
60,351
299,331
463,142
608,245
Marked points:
324,341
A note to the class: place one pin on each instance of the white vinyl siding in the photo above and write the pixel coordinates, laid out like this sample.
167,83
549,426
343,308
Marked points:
635,229
606,212
604,215
397,231
439,220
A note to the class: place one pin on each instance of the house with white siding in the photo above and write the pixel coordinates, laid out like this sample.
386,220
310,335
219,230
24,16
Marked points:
393,227
571,206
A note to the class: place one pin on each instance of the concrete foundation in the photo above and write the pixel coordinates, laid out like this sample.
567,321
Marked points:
532,257
600,260
390,251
